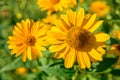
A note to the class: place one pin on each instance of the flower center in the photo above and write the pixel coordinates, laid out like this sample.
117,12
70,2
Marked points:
78,39
30,40
55,1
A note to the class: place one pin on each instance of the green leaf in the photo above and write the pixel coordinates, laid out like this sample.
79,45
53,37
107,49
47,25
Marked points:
116,72
105,64
114,41
58,70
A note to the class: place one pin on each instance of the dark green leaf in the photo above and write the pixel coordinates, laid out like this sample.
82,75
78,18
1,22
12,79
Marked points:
105,64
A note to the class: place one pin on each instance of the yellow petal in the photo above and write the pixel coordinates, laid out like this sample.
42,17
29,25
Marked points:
90,22
80,17
11,46
101,50
40,47
80,60
55,48
86,59
35,28
56,35
38,53
62,53
16,34
24,55
93,60
41,42
54,41
25,30
70,59
95,55
71,17
18,30
65,21
95,26
20,50
33,53
13,51
29,53
101,37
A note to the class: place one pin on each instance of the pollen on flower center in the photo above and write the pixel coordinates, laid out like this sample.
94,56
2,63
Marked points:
30,40
55,1
78,39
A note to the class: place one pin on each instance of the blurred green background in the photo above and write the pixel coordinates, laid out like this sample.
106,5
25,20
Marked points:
47,68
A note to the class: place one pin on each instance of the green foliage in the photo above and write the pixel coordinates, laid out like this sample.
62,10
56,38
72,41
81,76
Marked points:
48,68
105,64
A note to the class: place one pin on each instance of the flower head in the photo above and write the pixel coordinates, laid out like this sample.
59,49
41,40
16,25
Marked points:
100,8
72,39
53,5
28,39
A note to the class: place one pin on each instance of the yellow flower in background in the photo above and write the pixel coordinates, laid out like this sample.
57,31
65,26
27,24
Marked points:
100,8
50,19
53,5
19,15
81,1
28,39
116,34
21,70
72,39
73,2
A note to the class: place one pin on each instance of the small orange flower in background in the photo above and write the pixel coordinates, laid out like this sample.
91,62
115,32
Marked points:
53,5
100,8
21,70
28,39
73,38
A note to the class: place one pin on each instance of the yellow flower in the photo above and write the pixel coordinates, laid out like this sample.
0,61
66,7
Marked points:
74,2
100,8
116,34
72,39
21,70
28,39
81,1
53,5
19,15
50,19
